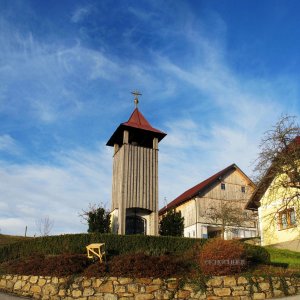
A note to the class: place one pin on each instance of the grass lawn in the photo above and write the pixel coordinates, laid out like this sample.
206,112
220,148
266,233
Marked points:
10,239
285,256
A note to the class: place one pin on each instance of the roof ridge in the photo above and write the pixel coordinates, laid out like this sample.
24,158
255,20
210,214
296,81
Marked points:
197,188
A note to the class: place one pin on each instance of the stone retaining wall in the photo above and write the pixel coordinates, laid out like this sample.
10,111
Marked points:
117,288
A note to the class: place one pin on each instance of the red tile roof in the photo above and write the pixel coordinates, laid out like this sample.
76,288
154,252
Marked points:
199,187
137,120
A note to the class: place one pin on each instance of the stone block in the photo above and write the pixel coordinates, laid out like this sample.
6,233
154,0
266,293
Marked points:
143,297
198,296
163,294
240,293
276,284
238,288
88,292
54,280
264,286
229,281
157,281
231,298
18,285
222,292
106,287
110,297
76,293
124,280
26,287
215,281
35,289
97,296
42,282
269,294
126,295
62,280
62,293
133,288
259,296
172,285
33,279
120,289
49,289
152,288
291,290
183,294
97,282
86,283
9,284
278,293
2,283
242,280
246,298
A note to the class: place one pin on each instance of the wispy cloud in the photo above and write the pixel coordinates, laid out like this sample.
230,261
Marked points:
31,191
9,145
213,113
81,13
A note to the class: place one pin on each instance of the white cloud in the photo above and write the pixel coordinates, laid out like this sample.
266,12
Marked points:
81,13
61,191
213,115
8,144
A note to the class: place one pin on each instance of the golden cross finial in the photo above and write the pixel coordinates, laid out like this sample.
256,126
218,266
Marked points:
136,99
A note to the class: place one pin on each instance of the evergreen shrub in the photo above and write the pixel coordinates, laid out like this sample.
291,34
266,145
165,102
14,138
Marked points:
257,254
115,245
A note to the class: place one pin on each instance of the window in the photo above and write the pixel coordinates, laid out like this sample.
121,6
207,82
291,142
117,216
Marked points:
243,189
222,186
286,218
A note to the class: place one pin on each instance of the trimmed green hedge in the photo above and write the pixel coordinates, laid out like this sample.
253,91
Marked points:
115,244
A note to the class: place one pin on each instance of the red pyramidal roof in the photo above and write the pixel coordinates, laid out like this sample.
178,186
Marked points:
137,120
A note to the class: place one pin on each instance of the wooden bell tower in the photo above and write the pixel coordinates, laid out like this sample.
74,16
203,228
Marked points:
135,175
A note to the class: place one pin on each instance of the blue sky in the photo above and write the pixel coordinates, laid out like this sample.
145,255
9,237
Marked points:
214,75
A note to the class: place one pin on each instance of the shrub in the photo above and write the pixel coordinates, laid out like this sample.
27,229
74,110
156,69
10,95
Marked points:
115,244
60,265
143,265
221,257
256,254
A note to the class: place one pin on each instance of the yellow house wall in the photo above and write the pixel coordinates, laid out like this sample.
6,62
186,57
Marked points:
271,203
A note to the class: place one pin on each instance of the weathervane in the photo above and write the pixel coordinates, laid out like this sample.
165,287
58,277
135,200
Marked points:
136,93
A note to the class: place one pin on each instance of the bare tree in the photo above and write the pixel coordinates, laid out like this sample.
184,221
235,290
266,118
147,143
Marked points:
229,216
44,225
278,165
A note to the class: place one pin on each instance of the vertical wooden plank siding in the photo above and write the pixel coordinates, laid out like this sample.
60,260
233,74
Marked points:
135,178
